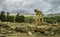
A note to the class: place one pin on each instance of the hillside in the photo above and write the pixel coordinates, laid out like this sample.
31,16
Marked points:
55,14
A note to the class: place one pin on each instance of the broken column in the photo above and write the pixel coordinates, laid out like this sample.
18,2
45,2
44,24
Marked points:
38,17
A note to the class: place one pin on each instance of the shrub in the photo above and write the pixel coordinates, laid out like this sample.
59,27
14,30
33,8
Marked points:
11,18
20,18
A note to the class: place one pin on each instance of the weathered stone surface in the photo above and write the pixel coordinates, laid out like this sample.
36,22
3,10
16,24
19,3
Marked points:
29,33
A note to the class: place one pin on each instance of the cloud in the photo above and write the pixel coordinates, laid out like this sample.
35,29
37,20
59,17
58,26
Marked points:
46,6
55,5
2,5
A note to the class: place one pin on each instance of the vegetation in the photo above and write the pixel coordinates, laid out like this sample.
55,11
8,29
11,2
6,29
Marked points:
6,17
52,19
2,16
21,24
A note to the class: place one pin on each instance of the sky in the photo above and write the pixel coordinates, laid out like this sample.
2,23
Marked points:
46,6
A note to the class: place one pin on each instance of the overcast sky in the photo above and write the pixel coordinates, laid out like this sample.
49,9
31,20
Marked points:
46,6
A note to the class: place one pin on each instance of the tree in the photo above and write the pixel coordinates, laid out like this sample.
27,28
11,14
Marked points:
2,16
21,18
17,18
11,18
7,17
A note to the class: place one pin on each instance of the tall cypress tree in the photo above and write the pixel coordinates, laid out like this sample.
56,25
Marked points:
3,18
7,19
17,18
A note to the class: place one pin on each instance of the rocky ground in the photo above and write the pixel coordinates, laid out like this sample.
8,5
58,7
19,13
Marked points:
8,29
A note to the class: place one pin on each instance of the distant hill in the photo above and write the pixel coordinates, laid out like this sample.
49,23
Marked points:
21,13
55,14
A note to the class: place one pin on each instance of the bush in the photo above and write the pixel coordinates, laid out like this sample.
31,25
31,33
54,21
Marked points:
11,18
29,19
20,18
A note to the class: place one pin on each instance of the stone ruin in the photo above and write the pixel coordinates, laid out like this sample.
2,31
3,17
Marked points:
38,17
45,29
